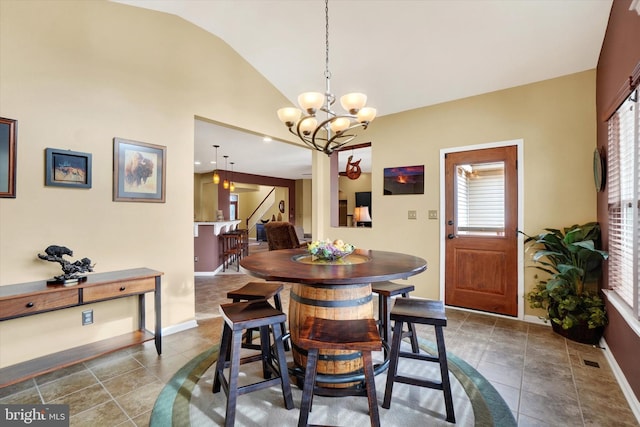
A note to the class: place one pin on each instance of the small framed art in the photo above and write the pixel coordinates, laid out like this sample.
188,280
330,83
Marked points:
7,157
138,171
66,168
404,180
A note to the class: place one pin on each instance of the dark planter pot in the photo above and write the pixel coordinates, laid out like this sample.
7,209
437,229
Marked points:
580,333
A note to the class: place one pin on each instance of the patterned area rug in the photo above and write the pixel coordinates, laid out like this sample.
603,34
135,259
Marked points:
187,399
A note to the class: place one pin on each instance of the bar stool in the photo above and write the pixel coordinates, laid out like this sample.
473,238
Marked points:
237,317
254,291
231,249
243,241
386,290
426,312
356,335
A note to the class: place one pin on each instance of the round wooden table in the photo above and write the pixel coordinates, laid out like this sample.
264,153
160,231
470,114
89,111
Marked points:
331,290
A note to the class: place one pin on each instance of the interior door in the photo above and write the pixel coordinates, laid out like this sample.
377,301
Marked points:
481,242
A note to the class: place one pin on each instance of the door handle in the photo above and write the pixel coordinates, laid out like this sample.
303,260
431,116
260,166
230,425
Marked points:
451,236
450,222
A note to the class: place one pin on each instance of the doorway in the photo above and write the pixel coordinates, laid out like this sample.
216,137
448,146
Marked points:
480,223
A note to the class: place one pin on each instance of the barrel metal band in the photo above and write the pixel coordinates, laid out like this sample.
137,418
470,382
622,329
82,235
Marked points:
337,303
336,286
331,357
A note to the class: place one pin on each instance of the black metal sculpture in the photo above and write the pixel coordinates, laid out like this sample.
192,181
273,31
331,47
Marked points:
72,270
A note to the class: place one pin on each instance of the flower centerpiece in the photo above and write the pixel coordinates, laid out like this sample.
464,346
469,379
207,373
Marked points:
327,250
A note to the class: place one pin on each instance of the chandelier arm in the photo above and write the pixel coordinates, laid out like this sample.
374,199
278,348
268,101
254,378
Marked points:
332,146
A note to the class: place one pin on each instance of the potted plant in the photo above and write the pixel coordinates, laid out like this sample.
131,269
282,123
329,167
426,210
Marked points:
573,260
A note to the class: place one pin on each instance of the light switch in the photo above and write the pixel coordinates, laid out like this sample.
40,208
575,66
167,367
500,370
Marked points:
433,214
412,215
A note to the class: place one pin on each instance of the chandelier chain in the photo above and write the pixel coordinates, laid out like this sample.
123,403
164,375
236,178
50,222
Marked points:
327,73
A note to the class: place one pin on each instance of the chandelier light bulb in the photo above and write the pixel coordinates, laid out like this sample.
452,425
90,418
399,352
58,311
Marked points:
353,102
340,124
366,115
311,101
308,125
289,116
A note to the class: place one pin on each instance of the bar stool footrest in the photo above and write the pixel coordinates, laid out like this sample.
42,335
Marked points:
419,382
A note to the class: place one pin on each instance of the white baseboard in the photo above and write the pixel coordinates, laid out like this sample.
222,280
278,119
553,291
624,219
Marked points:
622,380
535,319
208,273
173,329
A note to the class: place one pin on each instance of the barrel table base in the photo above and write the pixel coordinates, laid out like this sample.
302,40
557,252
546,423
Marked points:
341,369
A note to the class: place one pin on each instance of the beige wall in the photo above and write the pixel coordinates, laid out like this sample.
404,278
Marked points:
304,206
555,118
75,75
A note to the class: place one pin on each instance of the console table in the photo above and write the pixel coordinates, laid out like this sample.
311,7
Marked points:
28,299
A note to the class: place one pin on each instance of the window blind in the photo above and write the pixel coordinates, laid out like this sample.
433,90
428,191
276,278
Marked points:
623,182
480,199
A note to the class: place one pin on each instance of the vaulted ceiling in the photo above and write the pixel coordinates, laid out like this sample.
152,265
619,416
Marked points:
403,54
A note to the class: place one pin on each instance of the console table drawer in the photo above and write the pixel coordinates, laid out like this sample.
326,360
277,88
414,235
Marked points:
21,306
116,290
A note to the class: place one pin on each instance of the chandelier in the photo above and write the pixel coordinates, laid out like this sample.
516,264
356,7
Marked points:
333,131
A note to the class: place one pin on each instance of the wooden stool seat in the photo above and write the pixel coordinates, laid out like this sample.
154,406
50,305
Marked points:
355,335
386,290
257,290
245,315
426,312
254,291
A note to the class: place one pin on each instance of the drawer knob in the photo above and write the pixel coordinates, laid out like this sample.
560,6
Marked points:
29,305
122,288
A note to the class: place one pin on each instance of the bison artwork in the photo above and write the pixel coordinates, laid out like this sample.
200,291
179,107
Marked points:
138,169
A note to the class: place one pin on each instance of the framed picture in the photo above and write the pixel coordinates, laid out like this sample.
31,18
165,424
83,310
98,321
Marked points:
138,171
66,168
404,180
8,143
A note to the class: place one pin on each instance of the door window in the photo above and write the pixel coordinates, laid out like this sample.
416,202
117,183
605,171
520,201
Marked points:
480,199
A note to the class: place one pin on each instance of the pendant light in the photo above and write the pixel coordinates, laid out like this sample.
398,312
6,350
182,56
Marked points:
216,176
225,183
232,186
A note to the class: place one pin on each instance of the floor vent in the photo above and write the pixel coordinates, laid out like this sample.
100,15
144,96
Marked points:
591,363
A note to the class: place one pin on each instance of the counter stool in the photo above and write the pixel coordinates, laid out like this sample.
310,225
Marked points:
426,312
245,315
231,250
386,290
243,241
355,335
255,291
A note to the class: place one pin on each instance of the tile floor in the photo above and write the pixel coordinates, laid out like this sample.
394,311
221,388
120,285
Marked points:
543,377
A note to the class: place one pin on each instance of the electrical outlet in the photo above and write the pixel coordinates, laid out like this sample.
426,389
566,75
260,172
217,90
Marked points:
433,214
195,259
412,215
87,317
